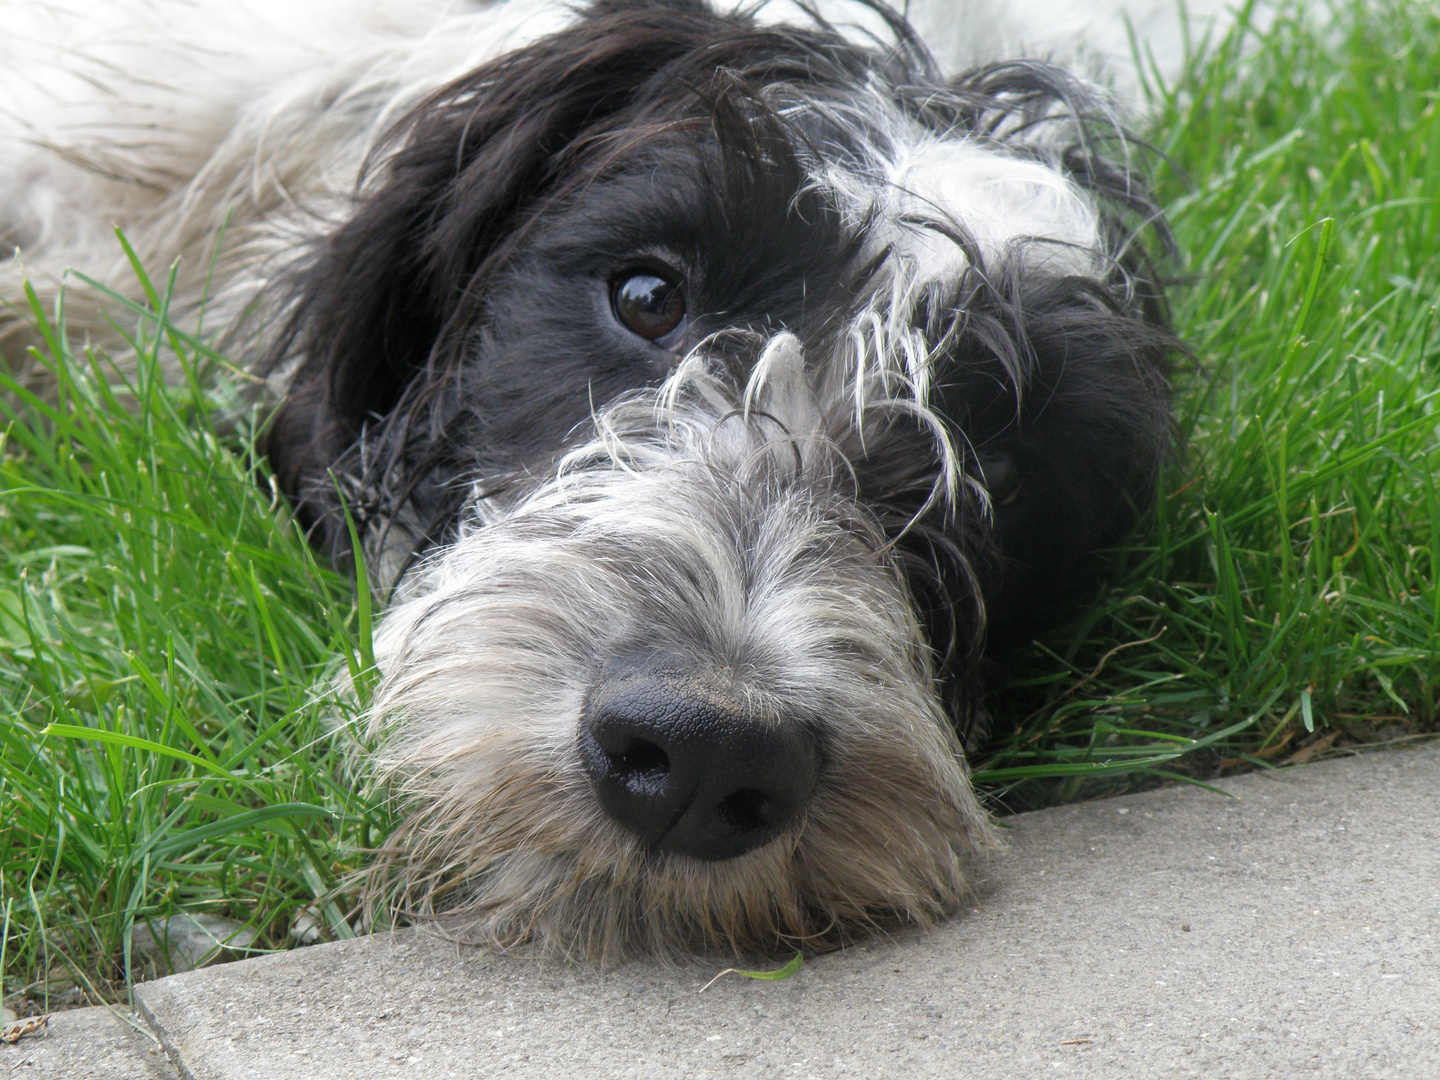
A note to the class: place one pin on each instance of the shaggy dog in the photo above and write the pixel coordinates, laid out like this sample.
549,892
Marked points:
713,391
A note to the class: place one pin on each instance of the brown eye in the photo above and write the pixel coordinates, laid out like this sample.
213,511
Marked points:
647,304
1001,476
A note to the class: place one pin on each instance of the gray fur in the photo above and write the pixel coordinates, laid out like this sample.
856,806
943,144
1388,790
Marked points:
718,525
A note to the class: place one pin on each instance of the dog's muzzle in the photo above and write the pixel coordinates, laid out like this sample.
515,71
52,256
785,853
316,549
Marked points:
681,762
678,695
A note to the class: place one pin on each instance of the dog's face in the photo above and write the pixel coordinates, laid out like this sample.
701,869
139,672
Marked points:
734,382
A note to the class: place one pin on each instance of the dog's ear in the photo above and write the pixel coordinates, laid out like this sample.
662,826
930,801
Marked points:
379,311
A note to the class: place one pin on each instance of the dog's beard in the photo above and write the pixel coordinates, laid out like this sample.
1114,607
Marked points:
715,527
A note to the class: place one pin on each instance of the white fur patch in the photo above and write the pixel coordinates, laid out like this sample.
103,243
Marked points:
922,191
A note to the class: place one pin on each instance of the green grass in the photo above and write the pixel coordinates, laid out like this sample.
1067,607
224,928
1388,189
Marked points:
1289,598
164,642
166,638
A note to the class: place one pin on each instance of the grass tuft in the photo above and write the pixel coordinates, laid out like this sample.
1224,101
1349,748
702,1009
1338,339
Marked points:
1288,593
166,641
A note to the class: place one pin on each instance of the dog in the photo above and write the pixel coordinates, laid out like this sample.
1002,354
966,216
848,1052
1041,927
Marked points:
714,392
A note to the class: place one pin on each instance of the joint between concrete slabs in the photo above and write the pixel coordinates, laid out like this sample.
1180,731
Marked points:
157,1029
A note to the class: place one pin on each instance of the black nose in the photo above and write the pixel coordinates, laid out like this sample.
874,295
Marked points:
687,769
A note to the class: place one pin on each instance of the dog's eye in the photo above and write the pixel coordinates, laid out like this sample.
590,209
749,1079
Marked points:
647,304
1000,475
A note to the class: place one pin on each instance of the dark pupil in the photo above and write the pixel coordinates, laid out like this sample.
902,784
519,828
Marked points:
1000,475
648,305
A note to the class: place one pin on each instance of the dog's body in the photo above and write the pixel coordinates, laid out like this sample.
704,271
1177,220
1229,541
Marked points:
734,378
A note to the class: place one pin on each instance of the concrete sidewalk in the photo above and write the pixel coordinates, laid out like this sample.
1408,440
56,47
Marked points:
1294,930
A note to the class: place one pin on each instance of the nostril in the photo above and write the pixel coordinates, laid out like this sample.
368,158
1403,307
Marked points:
748,810
639,763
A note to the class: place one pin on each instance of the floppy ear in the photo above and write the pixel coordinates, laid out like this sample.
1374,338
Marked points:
379,311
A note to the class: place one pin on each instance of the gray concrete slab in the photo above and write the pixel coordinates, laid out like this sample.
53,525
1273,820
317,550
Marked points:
87,1044
1291,931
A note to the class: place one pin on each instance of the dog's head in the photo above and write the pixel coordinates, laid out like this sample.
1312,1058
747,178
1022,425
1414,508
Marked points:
739,380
